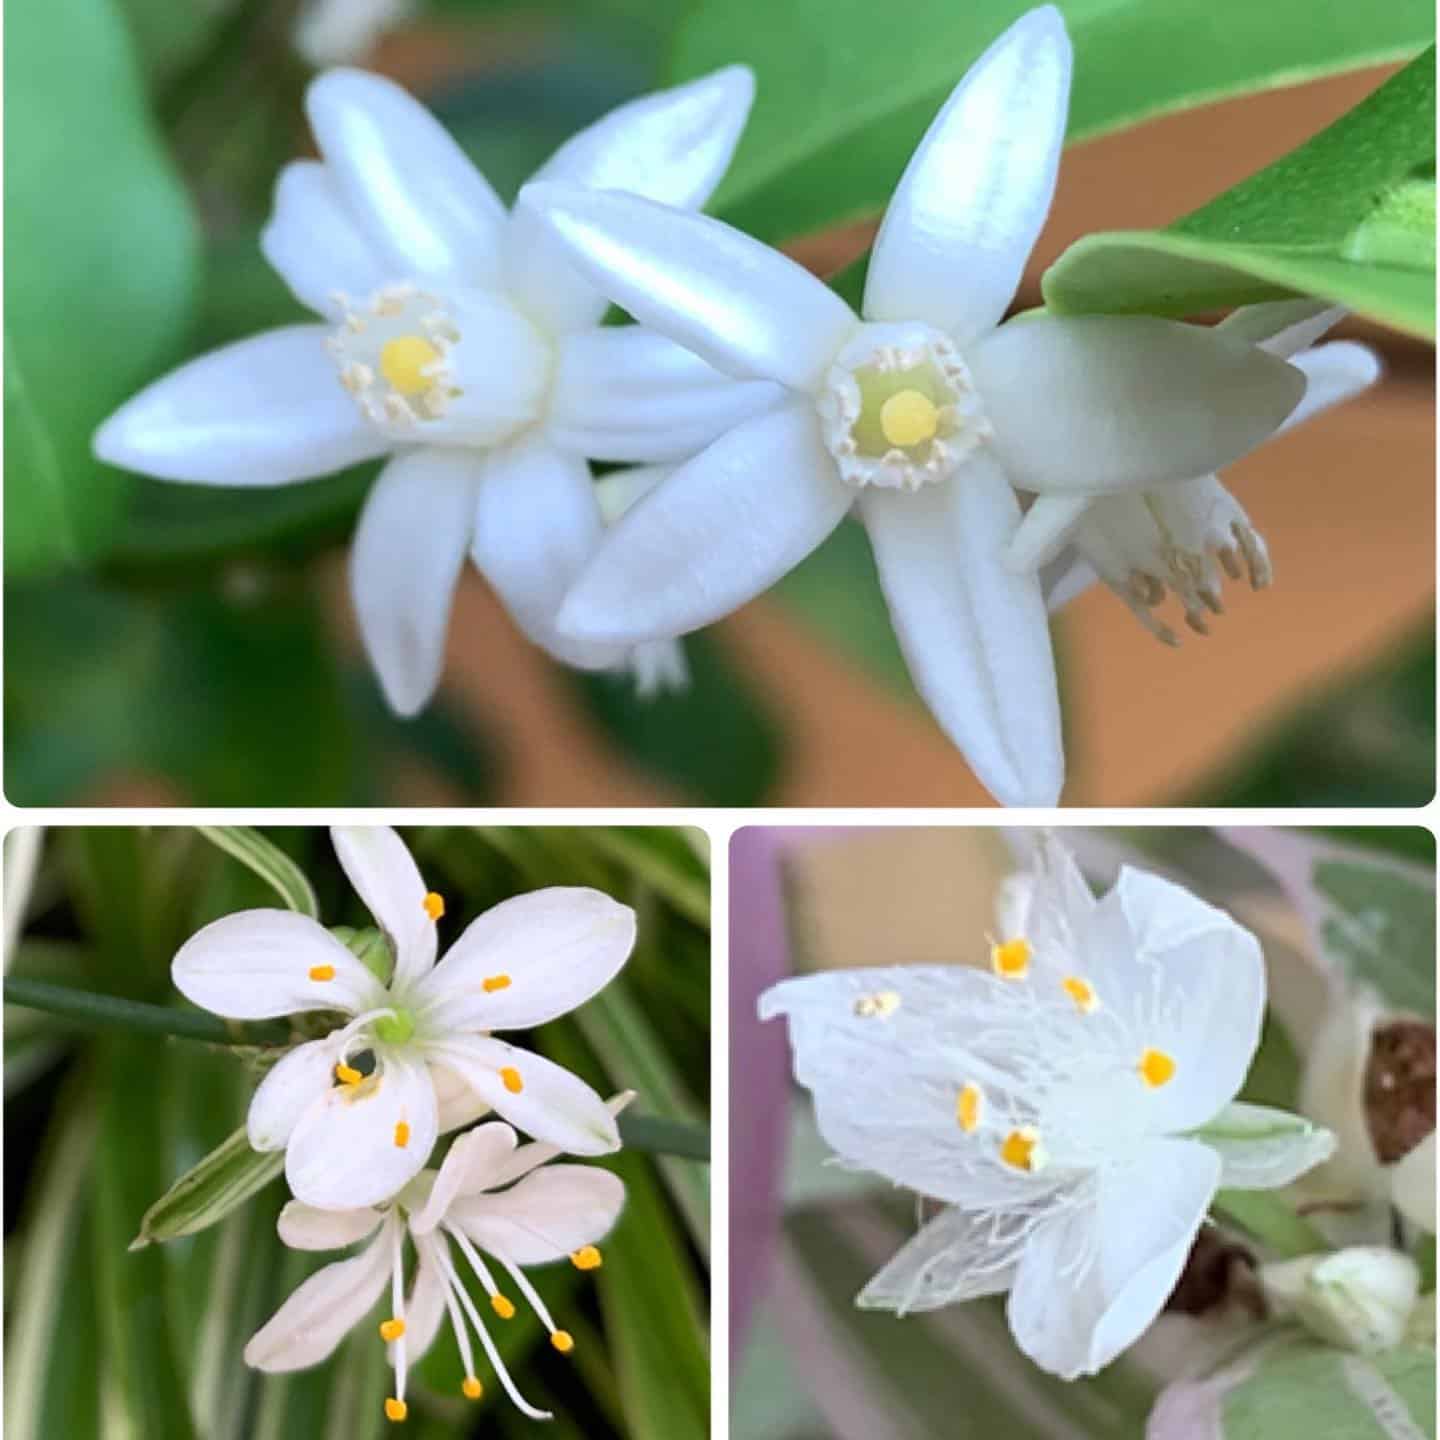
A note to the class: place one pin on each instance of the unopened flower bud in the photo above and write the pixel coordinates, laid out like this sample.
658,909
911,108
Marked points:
1360,1299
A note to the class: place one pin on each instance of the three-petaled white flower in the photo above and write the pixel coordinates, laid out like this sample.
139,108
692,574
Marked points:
471,352
1071,1106
926,414
473,1203
353,1131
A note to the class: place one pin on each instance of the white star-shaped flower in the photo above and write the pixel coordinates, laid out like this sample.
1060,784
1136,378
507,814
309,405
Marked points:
1070,1106
488,1199
925,415
471,352
354,1131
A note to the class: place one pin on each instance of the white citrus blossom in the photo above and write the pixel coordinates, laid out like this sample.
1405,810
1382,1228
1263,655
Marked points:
1169,539
473,1203
924,415
1071,1106
472,354
354,1138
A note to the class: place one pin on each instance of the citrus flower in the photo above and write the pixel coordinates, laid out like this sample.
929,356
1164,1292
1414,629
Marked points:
1071,1105
924,414
454,338
354,1132
493,1203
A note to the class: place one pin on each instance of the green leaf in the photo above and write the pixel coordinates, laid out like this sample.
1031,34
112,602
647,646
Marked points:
847,87
102,255
1265,1216
226,1178
1343,217
269,862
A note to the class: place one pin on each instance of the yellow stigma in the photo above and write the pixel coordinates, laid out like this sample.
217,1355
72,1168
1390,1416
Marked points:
968,1104
587,1257
504,1308
395,1409
493,983
563,1341
347,1074
322,972
511,1078
1011,960
1082,992
402,1134
471,1388
1020,1149
392,1329
404,361
908,417
877,1006
1156,1068
434,904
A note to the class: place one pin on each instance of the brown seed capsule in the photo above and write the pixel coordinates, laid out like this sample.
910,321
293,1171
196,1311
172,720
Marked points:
1400,1087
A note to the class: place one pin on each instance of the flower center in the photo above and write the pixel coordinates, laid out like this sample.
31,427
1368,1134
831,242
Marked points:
393,355
395,1028
908,417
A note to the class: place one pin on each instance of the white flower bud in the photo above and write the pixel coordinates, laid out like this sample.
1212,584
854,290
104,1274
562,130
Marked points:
1359,1299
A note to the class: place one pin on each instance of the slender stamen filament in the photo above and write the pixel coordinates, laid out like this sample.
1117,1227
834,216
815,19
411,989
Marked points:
502,1306
457,1322
397,1325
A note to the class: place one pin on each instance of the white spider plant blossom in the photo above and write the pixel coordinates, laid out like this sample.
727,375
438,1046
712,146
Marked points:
491,1201
1177,539
456,339
1071,1106
924,414
355,1131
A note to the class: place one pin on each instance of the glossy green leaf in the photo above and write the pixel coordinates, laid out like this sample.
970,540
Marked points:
1343,217
101,251
847,87
269,862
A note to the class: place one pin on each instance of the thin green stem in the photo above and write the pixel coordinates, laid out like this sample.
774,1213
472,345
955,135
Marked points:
665,1137
1271,1221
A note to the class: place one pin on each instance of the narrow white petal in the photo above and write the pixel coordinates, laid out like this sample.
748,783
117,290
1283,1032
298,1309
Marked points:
427,210
458,1104
380,867
975,633
303,1227
719,531
956,1256
1099,403
473,1164
624,393
323,1310
1333,374
1263,1149
313,243
968,209
550,1214
424,1308
535,1153
744,307
298,1080
363,1143
257,964
1048,526
264,411
1283,327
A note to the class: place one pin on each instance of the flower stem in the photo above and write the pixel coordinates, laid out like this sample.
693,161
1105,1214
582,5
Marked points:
1273,1223
665,1137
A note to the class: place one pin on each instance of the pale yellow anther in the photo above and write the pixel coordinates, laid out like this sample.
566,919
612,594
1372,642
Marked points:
348,1074
402,1134
504,1308
1156,1068
510,1078
404,362
877,1006
492,983
587,1257
392,1329
1020,1149
322,972
395,1409
434,905
471,1388
908,418
563,1341
969,1104
1010,959
1082,992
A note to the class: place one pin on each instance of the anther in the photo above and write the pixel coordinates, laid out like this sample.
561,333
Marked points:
879,1005
1156,1068
563,1341
434,905
1010,960
471,1388
504,1308
347,1074
968,1106
1021,1149
322,972
402,1134
395,1409
510,1077
1082,992
492,983
392,1329
587,1257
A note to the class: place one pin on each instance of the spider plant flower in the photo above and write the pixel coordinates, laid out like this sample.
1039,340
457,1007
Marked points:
924,413
1070,1104
492,1203
357,1111
454,338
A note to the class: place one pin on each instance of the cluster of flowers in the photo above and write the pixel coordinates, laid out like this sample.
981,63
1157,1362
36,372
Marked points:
359,1110
999,469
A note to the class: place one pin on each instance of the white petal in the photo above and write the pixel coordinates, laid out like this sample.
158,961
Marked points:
672,146
458,1104
1099,403
298,1080
313,1321
1066,578
1413,1185
1283,327
424,1308
265,411
384,875
303,1227
1074,1318
744,307
406,558
427,210
542,954
1263,1149
313,243
347,1152
970,205
722,529
956,1256
553,1105
257,964
550,1214
472,1165
536,525
625,393
975,634
1049,525
534,1153
1333,374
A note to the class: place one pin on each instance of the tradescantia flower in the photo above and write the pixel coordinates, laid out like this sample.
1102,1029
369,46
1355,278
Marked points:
489,1199
472,354
1071,1106
354,1136
925,415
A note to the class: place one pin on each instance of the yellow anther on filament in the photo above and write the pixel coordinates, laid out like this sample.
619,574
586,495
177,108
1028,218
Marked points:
510,1078
492,983
1082,992
563,1341
1010,959
1021,1150
587,1257
395,1409
322,972
908,418
877,1006
347,1074
392,1329
434,905
504,1308
402,1134
1156,1068
404,362
968,1106
471,1388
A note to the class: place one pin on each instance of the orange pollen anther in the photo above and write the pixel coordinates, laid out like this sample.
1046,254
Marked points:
347,1074
587,1257
434,905
322,972
392,1329
563,1341
504,1308
1011,959
402,1134
511,1078
471,1388
494,983
1156,1068
395,1409
968,1105
1020,1149
1082,992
